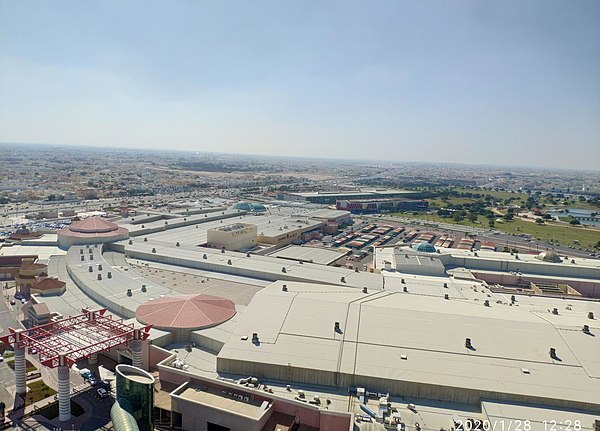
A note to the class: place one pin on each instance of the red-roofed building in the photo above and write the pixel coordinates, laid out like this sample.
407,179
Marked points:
93,230
46,286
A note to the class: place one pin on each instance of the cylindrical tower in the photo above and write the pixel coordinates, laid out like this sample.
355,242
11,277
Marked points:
135,395
64,388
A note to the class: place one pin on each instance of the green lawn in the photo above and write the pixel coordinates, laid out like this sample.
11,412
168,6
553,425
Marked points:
565,235
38,390
30,366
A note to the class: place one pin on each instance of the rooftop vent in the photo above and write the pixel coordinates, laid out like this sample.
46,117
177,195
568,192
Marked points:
177,245
91,257
446,285
468,343
143,226
222,249
247,254
204,256
130,242
402,281
591,315
342,279
144,289
284,288
283,269
91,251
446,296
145,239
255,338
356,269
80,251
365,290
229,262
153,250
513,299
196,226
486,303
555,311
109,274
99,267
405,289
83,258
99,277
553,353
90,268
129,292
586,329
336,327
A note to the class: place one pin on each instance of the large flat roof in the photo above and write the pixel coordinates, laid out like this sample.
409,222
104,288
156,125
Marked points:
307,254
361,192
255,266
393,339
221,401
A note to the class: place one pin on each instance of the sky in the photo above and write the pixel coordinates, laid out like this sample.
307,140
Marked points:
511,82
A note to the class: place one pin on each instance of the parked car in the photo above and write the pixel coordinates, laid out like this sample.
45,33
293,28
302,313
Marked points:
102,392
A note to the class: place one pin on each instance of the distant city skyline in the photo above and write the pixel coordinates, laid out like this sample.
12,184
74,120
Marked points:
473,82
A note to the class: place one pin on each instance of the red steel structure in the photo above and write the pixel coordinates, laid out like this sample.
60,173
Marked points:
76,337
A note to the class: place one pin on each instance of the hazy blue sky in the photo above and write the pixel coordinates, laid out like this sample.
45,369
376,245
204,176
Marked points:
501,82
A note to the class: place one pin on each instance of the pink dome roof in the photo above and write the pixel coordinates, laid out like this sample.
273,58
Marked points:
186,312
93,225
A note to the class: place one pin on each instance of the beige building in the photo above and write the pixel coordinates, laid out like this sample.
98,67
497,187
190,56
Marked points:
286,230
237,236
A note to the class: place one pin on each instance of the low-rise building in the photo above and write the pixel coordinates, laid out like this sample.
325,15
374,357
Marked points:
237,236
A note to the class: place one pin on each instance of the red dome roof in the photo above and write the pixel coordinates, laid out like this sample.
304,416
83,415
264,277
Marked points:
186,312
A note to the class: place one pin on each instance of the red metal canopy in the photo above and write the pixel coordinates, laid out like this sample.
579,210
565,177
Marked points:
77,336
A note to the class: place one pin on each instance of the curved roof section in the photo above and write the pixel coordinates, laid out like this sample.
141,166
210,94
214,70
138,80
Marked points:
425,247
245,206
248,206
549,256
186,312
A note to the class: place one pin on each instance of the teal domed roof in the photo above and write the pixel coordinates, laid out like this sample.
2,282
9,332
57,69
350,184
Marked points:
247,206
244,206
425,247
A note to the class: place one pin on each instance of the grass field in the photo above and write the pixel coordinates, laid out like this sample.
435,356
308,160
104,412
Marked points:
565,235
30,366
38,390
